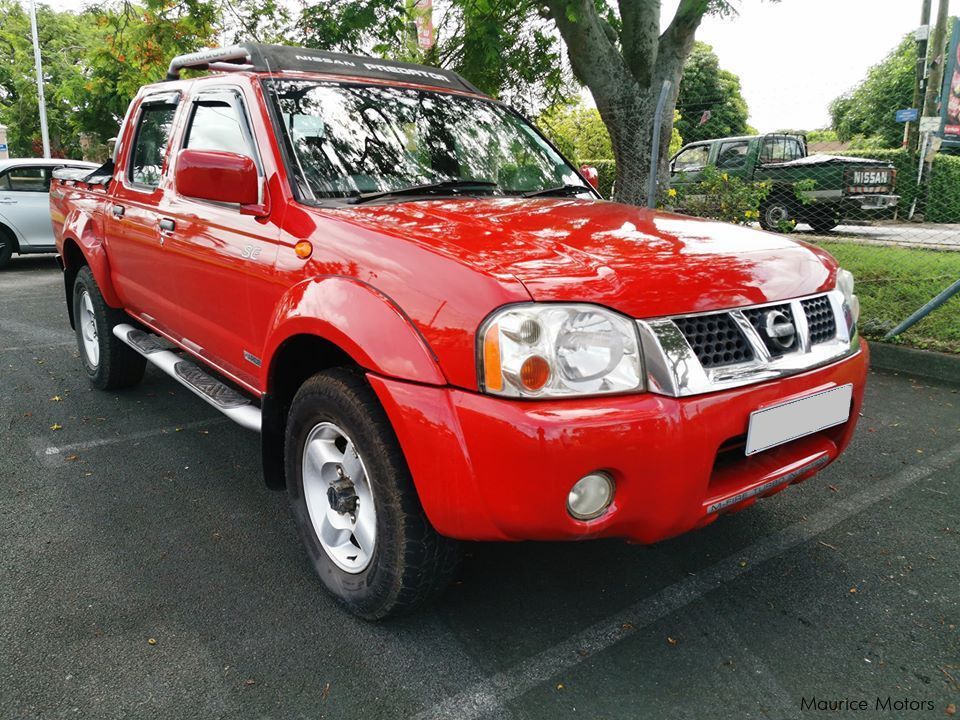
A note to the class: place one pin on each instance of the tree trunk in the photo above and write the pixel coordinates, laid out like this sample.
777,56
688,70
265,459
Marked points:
626,84
630,120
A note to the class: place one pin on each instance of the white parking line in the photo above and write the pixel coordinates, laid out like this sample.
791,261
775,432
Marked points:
487,696
52,455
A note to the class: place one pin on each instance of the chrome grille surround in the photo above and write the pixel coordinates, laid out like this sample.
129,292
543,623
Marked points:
673,368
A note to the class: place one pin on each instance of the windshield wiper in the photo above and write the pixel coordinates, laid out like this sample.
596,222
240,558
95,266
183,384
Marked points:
452,185
560,191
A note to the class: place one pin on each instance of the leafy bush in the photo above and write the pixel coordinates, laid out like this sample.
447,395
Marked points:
867,109
943,194
577,130
721,196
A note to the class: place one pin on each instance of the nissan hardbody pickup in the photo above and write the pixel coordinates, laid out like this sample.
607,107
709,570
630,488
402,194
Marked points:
437,327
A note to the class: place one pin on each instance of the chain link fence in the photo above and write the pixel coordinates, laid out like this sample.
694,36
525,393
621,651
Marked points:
890,215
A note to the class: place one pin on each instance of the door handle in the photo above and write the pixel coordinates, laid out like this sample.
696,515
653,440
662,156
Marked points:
167,225
117,210
7,201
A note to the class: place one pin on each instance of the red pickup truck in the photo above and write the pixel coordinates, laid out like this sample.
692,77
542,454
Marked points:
438,328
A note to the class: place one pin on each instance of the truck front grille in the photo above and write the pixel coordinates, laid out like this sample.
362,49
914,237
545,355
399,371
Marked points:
693,354
716,340
820,319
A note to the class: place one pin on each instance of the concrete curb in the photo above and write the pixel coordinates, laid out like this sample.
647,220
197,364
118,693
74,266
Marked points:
922,363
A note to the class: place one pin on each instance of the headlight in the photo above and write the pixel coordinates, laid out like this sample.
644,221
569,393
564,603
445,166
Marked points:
851,303
558,350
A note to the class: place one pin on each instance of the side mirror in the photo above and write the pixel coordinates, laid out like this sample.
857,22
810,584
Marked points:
591,174
219,176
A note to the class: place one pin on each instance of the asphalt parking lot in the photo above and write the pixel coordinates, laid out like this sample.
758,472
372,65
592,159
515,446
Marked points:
147,572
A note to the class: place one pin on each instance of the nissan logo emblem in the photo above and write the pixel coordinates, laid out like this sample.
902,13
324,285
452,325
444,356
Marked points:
780,329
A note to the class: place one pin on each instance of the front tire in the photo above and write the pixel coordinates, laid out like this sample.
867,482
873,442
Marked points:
354,502
110,363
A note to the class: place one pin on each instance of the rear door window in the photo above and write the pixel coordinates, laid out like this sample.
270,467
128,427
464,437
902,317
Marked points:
150,147
780,149
733,155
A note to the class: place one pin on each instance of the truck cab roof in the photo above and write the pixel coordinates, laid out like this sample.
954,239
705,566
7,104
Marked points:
746,138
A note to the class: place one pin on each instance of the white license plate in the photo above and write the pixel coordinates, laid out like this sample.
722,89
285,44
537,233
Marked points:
788,421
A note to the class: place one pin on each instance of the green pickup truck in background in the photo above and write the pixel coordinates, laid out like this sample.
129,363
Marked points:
830,188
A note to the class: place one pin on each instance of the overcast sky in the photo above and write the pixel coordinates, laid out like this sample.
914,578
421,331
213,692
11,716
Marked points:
795,56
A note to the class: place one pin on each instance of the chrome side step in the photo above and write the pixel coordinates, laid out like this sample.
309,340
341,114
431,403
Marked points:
225,399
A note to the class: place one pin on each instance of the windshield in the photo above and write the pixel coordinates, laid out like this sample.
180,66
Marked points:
348,141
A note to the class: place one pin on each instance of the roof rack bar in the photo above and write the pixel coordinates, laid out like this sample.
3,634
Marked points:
222,59
260,58
229,67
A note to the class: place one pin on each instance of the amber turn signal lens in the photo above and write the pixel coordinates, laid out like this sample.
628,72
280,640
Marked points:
492,374
534,372
303,249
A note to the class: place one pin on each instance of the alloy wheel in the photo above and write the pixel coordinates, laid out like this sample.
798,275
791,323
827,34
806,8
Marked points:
339,497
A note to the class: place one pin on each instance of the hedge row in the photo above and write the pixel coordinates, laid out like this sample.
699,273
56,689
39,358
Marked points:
943,197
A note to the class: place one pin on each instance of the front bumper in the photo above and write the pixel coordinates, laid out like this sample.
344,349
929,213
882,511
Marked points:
488,468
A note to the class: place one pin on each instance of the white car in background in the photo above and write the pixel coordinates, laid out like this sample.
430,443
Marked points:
25,225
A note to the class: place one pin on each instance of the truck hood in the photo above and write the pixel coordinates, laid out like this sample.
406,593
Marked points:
640,262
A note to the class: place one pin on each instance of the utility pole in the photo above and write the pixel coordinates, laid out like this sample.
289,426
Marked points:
931,142
36,59
937,41
921,35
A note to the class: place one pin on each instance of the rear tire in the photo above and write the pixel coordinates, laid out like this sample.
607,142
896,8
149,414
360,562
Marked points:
398,562
109,362
775,215
824,224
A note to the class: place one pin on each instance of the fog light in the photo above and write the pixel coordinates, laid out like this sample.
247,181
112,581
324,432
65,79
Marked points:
590,496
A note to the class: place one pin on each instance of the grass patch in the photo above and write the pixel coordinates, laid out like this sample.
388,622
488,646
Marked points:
894,282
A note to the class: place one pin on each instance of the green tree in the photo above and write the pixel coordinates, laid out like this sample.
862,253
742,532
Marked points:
134,46
507,49
64,38
578,131
710,102
95,61
266,21
867,111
